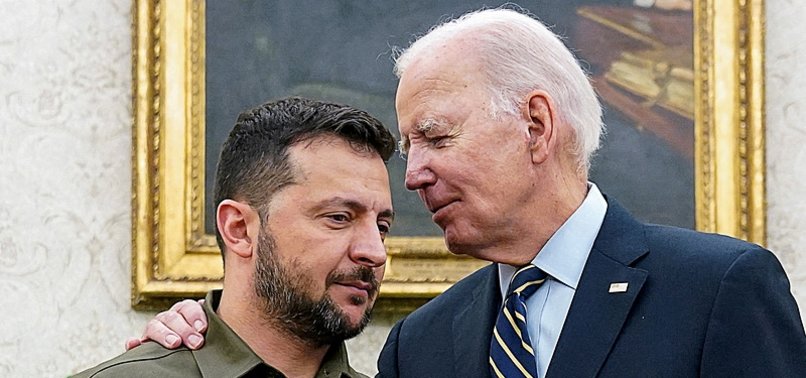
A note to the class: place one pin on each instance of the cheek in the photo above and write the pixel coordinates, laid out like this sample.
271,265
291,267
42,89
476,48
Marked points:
328,258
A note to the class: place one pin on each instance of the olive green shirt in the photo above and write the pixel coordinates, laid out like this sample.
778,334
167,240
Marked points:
223,355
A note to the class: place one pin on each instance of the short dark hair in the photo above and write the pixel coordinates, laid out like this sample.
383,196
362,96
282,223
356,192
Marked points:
254,165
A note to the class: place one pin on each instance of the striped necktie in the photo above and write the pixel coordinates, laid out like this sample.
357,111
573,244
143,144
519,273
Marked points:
511,352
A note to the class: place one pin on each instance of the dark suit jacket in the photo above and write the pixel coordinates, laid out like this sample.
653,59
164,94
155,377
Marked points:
697,305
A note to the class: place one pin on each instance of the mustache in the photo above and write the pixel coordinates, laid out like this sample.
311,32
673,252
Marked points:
359,273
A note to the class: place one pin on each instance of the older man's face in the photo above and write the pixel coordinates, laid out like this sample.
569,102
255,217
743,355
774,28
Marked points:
472,171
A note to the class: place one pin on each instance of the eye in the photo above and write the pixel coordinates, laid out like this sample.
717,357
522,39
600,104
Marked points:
338,218
384,228
439,141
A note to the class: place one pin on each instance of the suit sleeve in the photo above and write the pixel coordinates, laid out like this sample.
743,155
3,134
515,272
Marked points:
387,362
755,329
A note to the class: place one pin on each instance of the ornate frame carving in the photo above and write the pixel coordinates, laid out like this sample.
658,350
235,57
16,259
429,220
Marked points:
172,257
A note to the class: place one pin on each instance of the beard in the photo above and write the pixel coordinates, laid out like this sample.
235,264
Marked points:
282,292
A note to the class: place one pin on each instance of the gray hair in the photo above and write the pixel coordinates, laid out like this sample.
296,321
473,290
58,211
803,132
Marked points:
521,55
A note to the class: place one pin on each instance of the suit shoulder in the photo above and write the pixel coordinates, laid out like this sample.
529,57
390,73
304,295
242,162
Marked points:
705,253
147,360
695,242
458,293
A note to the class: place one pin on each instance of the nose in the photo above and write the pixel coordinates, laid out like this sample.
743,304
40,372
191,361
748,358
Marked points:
368,248
418,173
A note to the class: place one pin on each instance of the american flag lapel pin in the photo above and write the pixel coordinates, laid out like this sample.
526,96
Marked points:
618,287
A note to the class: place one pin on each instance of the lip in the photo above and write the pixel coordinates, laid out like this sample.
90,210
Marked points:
358,287
434,205
439,212
440,207
358,284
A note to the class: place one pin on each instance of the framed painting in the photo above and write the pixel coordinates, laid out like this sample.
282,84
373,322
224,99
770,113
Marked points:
682,90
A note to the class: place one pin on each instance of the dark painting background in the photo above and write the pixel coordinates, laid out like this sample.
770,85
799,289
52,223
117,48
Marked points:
341,51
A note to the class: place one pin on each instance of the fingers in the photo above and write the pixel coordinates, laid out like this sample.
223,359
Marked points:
193,312
181,324
158,331
132,342
170,329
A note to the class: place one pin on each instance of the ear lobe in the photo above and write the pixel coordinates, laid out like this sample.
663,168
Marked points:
541,125
236,224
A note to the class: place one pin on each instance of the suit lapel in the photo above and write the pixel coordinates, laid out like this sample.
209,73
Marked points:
596,316
472,328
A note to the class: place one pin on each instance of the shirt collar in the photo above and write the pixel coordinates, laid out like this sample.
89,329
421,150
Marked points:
565,253
337,365
225,354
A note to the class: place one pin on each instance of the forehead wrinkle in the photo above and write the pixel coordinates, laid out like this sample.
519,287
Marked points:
427,87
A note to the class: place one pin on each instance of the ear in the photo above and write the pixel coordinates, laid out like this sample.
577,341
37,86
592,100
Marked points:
539,112
238,224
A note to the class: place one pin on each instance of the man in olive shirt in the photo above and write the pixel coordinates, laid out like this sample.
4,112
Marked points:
302,239
224,355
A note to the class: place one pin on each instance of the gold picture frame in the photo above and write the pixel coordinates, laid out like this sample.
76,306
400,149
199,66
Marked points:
173,258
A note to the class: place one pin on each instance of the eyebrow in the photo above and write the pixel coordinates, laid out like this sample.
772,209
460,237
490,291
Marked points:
428,124
355,206
423,126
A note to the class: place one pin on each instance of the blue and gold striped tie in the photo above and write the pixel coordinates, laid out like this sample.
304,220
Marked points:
511,352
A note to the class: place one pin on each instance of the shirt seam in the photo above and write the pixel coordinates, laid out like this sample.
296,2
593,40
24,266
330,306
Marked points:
143,359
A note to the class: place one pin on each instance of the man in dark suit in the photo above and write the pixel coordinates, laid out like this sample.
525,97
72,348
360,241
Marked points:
498,123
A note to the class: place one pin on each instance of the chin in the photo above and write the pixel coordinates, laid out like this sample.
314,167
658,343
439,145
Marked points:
459,245
355,308
356,318
455,242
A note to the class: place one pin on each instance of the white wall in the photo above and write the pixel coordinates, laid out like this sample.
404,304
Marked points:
65,141
786,139
65,137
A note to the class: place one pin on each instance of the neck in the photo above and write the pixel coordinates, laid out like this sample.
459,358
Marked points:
278,348
542,216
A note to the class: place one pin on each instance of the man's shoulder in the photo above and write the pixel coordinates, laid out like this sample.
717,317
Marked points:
147,360
620,226
460,292
705,255
702,244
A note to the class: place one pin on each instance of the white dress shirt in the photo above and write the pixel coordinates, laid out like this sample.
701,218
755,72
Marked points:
563,259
